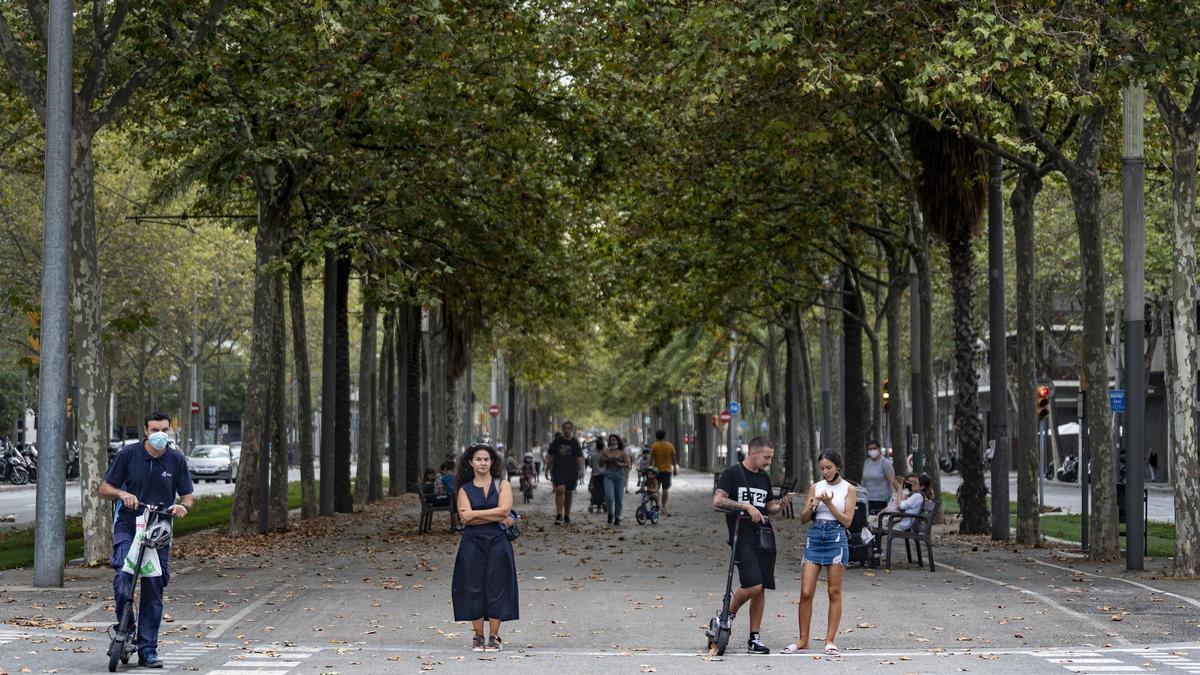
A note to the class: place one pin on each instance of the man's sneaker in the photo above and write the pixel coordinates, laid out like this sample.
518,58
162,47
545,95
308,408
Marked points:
493,644
477,644
755,645
150,660
558,520
566,520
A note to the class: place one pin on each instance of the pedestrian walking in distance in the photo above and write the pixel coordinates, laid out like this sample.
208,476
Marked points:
662,454
745,488
830,509
565,467
485,570
615,462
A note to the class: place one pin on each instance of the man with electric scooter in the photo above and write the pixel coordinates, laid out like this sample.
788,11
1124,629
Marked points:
744,492
149,472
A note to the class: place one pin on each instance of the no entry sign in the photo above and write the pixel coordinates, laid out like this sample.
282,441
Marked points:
494,410
725,417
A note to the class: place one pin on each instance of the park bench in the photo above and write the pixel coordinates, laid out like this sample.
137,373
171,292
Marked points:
430,506
920,533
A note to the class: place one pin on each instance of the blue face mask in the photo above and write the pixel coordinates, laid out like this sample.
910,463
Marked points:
158,440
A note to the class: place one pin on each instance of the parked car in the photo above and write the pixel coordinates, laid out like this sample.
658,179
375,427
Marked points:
213,462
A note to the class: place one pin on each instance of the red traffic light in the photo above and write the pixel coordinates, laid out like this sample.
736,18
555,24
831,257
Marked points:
1043,402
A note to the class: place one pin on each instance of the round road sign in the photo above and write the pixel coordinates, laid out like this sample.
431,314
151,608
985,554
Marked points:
494,410
725,417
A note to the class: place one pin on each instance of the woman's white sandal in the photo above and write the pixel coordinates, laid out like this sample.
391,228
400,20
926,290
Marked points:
793,649
831,649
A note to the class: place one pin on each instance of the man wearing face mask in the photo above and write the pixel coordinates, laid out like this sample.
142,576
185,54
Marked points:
149,472
879,479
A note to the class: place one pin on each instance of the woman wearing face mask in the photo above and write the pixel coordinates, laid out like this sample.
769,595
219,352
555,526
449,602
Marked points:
879,479
830,509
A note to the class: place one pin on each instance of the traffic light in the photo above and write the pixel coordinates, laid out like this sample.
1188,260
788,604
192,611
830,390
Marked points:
1043,402
887,398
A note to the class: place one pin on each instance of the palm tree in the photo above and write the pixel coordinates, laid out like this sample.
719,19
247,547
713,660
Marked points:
952,191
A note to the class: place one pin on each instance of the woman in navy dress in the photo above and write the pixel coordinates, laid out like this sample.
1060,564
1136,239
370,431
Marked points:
485,571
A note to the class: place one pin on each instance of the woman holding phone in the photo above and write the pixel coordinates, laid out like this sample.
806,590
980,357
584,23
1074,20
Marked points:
830,509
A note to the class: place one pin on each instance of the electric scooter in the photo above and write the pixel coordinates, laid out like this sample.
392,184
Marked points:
123,638
721,626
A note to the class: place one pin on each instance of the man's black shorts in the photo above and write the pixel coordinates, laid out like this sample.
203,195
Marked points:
568,483
664,479
754,566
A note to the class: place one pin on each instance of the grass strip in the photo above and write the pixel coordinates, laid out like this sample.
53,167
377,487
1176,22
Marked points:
16,546
1160,539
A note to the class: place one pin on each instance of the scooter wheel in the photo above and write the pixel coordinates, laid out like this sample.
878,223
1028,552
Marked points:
722,641
114,656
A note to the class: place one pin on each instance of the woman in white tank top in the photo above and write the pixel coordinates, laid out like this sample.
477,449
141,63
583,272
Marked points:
830,509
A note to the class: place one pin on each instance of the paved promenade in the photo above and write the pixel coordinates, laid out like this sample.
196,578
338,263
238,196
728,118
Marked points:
364,593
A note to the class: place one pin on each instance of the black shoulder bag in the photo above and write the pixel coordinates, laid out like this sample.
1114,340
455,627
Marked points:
511,531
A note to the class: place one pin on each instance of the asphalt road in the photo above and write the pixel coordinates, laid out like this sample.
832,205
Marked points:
1067,496
363,593
21,501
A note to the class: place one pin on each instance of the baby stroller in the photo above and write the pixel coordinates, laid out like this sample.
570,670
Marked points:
864,550
596,493
649,509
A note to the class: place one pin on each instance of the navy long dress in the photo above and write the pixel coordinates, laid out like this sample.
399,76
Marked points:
485,571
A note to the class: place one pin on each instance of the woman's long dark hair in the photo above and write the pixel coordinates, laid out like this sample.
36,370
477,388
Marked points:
620,441
466,473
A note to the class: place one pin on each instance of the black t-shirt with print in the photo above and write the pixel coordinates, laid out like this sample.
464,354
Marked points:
743,485
566,454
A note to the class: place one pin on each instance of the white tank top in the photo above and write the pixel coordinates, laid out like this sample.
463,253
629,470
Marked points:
840,491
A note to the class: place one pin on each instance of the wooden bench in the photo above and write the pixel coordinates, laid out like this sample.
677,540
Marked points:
430,507
920,533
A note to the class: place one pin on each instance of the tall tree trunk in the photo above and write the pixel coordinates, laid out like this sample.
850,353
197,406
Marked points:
898,281
972,493
1185,465
874,406
791,391
87,332
1083,177
412,393
343,500
274,195
855,407
278,505
303,378
925,352
389,359
808,416
1024,196
328,382
832,370
366,371
778,400
376,490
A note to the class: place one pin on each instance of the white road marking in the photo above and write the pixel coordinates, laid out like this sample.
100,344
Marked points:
1191,601
1053,603
232,621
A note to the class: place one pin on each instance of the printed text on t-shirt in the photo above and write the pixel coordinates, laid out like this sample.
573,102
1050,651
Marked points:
754,496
